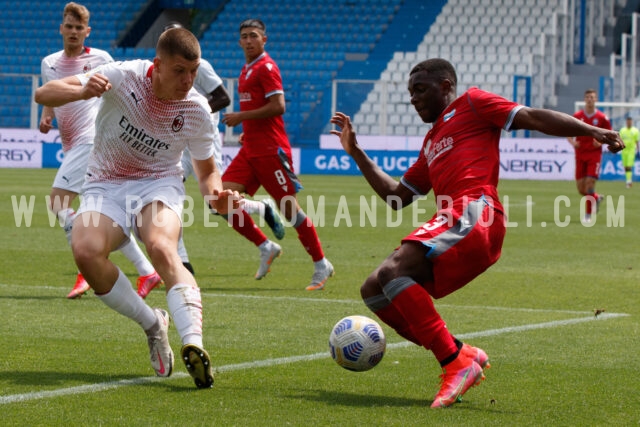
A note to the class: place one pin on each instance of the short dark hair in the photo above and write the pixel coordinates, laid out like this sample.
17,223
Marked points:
439,68
179,41
253,23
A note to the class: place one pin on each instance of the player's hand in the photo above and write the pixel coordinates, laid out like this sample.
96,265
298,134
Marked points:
232,119
46,124
347,135
611,138
225,201
96,86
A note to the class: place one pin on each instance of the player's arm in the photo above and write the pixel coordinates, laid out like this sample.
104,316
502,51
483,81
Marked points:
46,120
383,184
219,99
561,124
69,89
275,107
210,185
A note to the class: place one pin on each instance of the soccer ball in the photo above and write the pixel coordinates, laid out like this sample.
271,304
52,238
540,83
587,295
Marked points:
357,343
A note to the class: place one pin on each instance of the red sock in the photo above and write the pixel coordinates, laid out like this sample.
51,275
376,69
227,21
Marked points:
309,239
427,326
588,205
245,226
392,317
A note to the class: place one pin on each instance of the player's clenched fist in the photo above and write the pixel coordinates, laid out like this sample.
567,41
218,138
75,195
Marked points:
96,86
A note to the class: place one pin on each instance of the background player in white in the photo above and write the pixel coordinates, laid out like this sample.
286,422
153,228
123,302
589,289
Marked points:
76,122
150,113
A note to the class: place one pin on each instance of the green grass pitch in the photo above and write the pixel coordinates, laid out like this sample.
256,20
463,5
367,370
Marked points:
75,362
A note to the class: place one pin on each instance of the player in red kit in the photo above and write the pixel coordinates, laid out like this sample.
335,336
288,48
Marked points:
589,153
265,156
459,161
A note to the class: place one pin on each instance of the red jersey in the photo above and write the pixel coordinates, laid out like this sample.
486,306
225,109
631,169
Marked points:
598,119
460,154
258,81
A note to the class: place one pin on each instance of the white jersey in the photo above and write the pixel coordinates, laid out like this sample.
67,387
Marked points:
76,120
141,136
207,80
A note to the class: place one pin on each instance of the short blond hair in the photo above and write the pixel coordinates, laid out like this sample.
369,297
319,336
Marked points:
78,11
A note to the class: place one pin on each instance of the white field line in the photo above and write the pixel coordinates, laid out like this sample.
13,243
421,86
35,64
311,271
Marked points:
334,301
93,388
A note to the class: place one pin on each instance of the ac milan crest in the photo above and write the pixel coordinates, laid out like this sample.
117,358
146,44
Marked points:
178,122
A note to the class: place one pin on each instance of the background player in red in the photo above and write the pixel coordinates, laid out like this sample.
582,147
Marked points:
459,161
589,153
265,156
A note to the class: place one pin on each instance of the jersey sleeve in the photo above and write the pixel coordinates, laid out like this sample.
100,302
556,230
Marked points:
416,178
46,71
207,80
115,72
493,108
271,79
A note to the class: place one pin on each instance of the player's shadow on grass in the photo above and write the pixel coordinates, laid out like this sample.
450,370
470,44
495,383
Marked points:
364,400
367,400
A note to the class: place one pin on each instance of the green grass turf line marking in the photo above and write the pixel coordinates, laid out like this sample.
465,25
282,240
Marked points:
93,388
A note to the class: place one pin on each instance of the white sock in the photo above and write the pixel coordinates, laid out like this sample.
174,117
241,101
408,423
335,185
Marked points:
320,264
182,251
66,218
253,206
134,254
125,301
185,306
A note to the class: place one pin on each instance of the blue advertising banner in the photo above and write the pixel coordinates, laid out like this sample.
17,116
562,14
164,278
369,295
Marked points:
612,169
52,155
337,162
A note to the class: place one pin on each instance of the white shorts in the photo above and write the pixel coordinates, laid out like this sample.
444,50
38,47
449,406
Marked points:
72,171
123,201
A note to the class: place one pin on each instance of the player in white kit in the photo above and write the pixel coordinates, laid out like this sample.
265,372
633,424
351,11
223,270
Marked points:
76,123
149,115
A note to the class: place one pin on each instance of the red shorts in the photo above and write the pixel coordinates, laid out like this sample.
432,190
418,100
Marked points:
274,173
588,164
463,240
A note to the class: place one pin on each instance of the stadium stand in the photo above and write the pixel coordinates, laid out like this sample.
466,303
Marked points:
488,43
29,34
